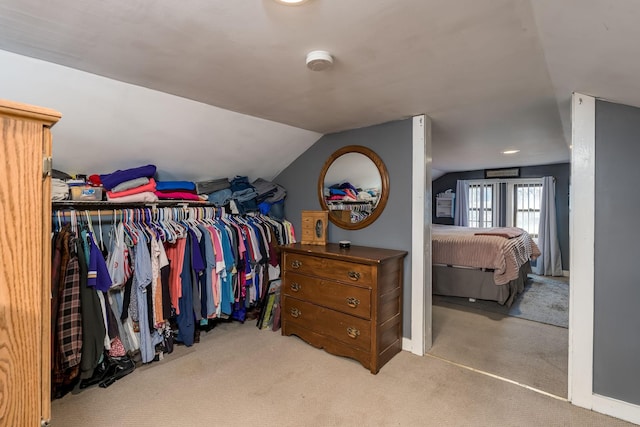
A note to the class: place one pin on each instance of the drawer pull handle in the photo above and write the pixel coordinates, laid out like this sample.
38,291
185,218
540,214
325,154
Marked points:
295,312
295,286
353,332
354,275
353,302
296,263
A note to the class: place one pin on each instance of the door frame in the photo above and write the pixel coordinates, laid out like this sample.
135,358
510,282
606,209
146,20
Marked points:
582,241
421,201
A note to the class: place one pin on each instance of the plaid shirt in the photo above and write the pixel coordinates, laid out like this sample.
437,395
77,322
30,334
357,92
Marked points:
69,315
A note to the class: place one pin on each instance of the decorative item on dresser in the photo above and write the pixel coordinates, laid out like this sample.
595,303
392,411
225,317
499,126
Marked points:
314,227
345,300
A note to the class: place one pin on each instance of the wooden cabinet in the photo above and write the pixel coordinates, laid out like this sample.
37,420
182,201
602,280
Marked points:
25,258
347,301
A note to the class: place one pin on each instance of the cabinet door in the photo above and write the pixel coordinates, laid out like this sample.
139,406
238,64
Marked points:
21,273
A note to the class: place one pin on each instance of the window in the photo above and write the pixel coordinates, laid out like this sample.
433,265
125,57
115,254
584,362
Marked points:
517,199
525,205
482,204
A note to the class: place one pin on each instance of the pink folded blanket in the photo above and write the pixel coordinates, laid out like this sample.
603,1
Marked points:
149,187
506,232
144,197
177,195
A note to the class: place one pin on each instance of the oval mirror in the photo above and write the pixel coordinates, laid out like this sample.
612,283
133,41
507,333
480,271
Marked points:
354,187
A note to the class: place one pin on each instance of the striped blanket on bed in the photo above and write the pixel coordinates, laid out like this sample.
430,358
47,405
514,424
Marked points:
483,248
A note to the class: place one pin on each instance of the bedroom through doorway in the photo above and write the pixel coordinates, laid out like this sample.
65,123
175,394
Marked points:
523,338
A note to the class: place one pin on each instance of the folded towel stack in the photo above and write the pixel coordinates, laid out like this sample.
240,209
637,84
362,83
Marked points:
131,185
177,190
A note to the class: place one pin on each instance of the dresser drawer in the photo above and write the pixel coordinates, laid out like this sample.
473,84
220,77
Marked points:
350,330
349,272
328,293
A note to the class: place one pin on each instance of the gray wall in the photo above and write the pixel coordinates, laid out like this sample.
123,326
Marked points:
393,143
561,172
616,372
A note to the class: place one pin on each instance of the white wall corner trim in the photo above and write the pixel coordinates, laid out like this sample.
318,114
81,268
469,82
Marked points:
581,237
421,241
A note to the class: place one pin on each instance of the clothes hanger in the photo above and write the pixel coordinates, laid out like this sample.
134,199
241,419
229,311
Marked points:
72,220
89,226
59,214
129,232
166,227
153,225
101,245
139,224
172,222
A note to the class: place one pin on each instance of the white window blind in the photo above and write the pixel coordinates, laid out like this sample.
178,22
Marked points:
481,205
526,207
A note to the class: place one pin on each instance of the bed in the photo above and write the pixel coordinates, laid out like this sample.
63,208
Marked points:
481,263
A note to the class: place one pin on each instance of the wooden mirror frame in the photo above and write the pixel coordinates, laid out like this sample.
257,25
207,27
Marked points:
384,192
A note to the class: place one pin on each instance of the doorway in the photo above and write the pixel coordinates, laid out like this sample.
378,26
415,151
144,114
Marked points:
517,349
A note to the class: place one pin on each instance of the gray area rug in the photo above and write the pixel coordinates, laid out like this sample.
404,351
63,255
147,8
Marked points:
545,299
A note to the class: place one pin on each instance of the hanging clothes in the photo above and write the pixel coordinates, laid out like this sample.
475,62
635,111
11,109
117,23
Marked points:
173,267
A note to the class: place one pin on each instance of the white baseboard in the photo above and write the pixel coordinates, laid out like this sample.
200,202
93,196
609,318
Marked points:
565,273
408,345
616,408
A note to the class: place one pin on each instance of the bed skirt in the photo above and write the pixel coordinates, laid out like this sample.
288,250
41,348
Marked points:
478,284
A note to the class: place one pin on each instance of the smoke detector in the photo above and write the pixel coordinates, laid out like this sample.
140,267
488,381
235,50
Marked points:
319,60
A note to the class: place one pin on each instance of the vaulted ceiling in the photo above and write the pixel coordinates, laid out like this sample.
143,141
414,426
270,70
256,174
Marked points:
492,74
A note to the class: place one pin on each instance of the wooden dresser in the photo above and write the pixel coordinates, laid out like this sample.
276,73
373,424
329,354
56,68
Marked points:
347,301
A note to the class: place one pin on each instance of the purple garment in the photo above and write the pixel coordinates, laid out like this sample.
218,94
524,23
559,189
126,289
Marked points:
197,267
111,180
98,275
197,262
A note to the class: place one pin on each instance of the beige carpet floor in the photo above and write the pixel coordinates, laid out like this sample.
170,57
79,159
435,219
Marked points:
240,376
545,299
531,353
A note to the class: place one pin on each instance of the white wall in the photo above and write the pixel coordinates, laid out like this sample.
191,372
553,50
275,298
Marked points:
108,125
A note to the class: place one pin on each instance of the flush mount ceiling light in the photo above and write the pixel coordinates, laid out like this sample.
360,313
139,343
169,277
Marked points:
291,2
319,60
511,152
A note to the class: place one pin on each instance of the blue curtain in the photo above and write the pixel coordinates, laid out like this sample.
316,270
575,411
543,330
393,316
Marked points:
550,262
461,213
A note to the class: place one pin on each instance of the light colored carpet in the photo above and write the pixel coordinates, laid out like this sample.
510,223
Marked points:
240,376
544,299
530,353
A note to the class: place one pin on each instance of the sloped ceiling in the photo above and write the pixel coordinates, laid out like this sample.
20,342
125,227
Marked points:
492,74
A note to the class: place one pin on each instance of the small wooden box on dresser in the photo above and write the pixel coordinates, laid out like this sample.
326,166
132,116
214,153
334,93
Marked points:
347,301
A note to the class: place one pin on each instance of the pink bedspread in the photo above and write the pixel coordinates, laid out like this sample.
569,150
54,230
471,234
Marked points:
463,247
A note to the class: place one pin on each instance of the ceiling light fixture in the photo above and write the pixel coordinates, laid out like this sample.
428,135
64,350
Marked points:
291,2
319,60
510,151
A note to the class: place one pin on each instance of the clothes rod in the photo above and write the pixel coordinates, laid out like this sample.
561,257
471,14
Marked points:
65,209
